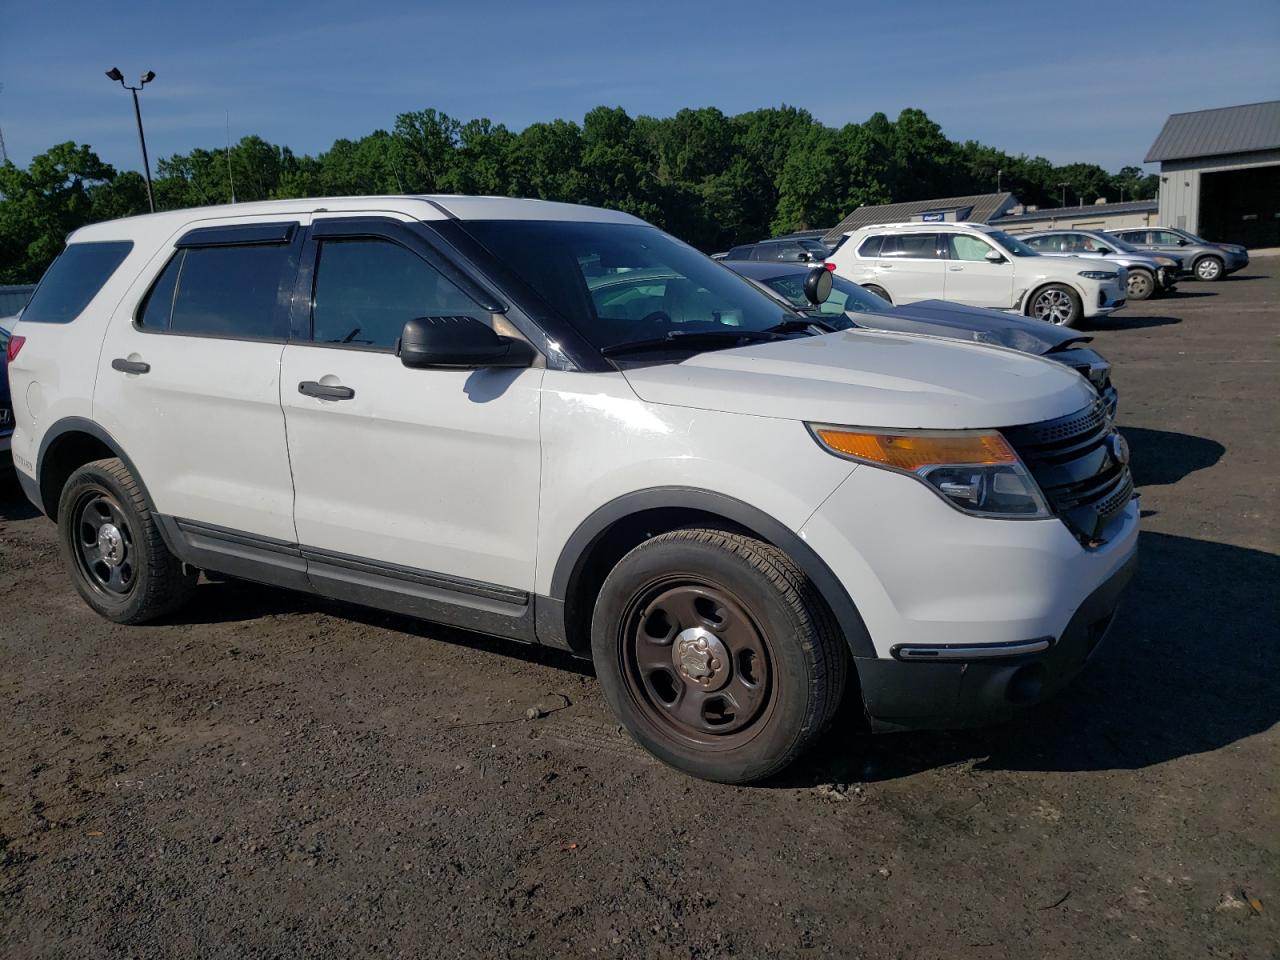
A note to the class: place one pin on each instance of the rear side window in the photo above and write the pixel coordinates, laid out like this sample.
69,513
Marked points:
224,291
916,246
871,246
73,280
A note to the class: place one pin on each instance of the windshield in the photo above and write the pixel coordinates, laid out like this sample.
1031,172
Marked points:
845,296
622,283
1011,243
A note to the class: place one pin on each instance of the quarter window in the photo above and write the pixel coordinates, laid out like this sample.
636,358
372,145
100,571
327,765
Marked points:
366,289
73,280
871,246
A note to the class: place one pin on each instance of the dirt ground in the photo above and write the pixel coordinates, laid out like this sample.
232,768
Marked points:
272,776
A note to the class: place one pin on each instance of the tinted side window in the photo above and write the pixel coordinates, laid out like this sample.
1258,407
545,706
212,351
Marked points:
73,280
917,246
1042,243
871,246
739,253
158,305
964,247
366,289
1165,237
231,292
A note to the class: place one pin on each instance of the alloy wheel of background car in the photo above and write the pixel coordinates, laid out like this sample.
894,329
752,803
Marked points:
1208,268
1057,305
1141,285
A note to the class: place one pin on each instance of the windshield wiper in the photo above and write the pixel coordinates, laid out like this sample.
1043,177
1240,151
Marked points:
691,339
797,326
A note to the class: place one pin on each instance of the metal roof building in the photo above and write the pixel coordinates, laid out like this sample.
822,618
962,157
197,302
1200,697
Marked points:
980,208
1220,173
1093,216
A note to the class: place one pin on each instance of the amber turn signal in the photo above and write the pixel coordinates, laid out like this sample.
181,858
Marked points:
912,451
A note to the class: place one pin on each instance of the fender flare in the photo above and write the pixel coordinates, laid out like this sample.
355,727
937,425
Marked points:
739,513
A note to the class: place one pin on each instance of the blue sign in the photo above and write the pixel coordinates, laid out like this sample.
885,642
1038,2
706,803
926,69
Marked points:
933,217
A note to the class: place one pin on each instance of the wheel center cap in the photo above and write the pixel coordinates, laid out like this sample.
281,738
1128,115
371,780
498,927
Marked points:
701,658
111,543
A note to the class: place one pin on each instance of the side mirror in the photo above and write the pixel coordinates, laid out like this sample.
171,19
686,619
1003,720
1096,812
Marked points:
995,256
459,343
817,285
1105,251
804,257
1181,242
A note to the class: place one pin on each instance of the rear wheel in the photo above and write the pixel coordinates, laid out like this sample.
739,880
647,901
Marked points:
1057,304
112,548
1208,268
1141,286
717,654
879,291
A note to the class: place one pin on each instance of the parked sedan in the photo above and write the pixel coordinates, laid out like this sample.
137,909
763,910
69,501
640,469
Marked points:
797,249
1202,259
849,305
1150,274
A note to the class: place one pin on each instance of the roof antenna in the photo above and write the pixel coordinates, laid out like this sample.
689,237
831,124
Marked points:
230,179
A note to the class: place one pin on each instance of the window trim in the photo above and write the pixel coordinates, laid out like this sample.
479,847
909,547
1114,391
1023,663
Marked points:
284,288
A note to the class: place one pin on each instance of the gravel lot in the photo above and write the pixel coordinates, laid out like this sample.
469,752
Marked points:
272,776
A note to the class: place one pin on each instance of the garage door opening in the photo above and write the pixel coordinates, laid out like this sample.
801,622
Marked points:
1241,206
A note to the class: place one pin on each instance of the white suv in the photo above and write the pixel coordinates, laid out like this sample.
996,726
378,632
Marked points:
978,265
558,424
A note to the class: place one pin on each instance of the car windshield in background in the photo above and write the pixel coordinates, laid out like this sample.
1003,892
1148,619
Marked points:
619,283
846,296
1012,244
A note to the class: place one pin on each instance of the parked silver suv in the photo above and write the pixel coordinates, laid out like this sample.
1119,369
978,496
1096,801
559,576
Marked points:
1202,259
1150,274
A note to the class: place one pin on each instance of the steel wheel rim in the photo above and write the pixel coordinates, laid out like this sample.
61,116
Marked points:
1053,306
696,663
1140,286
104,545
1208,269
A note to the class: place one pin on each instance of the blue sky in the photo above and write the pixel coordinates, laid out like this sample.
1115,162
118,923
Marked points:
1070,81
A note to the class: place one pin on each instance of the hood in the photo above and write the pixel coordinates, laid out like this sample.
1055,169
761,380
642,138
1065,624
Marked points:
870,379
942,318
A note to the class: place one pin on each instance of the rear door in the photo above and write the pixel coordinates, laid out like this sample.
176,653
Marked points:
189,375
972,278
910,267
418,484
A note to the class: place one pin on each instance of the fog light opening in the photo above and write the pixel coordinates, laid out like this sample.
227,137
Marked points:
1026,684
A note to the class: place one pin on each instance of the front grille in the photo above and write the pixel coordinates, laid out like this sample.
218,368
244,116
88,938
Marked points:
1073,459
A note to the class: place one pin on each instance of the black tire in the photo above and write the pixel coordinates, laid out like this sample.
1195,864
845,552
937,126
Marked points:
1055,303
1142,285
112,548
1209,269
878,290
777,695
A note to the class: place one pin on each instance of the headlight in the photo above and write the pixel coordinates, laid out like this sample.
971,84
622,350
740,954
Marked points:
1098,274
976,471
1166,261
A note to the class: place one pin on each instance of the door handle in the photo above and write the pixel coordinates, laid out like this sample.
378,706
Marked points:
313,388
130,366
955,269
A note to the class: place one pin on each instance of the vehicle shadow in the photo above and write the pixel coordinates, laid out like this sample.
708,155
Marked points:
1181,294
1125,322
225,600
1191,665
1161,457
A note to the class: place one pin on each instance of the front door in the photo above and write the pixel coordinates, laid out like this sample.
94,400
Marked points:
972,278
419,483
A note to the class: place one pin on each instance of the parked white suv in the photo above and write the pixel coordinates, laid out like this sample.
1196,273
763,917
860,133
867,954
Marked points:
978,265
558,424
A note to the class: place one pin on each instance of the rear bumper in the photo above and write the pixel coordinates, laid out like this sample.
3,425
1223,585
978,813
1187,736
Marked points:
970,686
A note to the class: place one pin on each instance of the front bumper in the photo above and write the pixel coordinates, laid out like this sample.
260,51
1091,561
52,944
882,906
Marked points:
924,575
914,692
1168,278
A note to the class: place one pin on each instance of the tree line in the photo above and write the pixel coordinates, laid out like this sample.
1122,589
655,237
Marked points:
713,180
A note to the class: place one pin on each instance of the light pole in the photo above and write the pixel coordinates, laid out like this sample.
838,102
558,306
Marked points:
1064,192
115,74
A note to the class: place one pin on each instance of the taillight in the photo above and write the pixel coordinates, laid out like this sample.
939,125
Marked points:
15,344
830,266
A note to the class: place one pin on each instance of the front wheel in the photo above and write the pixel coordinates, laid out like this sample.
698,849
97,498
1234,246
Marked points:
1141,285
1057,304
112,548
1208,268
717,654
